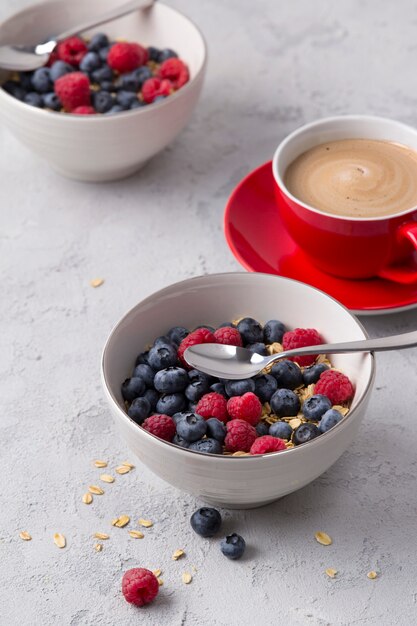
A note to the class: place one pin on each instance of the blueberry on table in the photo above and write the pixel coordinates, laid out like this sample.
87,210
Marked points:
312,374
329,419
162,356
262,428
145,372
233,546
265,387
273,331
216,429
41,80
34,99
171,380
285,403
239,387
206,521
250,330
287,374
192,427
139,410
58,69
171,403
177,333
51,101
304,433
259,348
315,406
208,445
282,430
98,41
102,101
165,54
133,388
152,396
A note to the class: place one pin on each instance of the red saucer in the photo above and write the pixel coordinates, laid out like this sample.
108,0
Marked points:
251,223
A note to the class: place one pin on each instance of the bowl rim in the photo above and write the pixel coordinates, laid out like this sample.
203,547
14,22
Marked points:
98,118
316,441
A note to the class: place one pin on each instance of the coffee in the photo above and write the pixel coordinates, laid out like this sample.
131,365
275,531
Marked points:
355,178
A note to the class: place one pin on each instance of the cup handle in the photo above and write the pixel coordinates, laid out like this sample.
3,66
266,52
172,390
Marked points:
399,274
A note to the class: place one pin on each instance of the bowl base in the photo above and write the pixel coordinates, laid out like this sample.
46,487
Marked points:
100,177
237,505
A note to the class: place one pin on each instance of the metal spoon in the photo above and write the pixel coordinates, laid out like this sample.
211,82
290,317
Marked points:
236,363
24,58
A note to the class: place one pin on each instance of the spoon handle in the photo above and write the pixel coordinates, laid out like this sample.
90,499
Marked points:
123,9
405,340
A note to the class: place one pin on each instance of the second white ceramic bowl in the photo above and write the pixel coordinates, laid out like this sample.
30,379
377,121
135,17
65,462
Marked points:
235,482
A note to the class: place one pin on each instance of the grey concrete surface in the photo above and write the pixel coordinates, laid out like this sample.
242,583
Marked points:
272,67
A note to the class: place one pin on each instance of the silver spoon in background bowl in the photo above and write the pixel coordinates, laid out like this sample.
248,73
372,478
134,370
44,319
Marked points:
236,363
21,58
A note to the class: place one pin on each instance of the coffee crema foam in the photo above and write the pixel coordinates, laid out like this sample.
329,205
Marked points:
355,178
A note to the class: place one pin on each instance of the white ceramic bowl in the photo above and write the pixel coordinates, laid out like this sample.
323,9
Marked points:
104,147
235,482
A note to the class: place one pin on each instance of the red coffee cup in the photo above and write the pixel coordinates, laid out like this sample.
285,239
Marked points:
350,247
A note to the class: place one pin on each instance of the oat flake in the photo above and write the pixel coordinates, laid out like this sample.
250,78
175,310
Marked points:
106,478
146,523
102,536
136,534
96,282
323,538
59,540
87,498
100,464
121,521
98,547
186,578
157,572
25,536
372,575
331,573
97,491
177,554
123,469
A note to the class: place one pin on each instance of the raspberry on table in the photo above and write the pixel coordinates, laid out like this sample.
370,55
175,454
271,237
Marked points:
228,336
335,385
163,426
72,50
73,90
213,405
139,586
240,436
200,335
267,443
299,338
126,57
176,71
247,407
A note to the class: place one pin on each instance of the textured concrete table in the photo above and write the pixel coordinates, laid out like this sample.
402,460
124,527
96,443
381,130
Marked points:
272,67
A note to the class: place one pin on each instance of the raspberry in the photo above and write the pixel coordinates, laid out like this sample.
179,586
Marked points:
247,407
176,71
240,436
228,336
163,426
84,110
266,444
139,586
72,50
335,385
298,338
73,90
154,87
126,57
212,405
200,335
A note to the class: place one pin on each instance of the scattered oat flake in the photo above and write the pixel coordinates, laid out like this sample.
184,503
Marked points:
123,469
372,575
100,464
127,464
146,523
121,521
106,478
102,536
98,547
157,572
59,540
186,578
323,538
96,282
136,534
25,536
160,581
177,554
87,498
331,573
97,491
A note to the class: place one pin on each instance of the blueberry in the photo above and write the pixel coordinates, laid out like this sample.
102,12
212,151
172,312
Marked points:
281,430
163,340
210,328
162,356
265,386
146,373
154,54
125,98
25,79
191,427
181,415
171,403
133,388
102,101
159,98
273,331
196,390
233,546
98,41
171,380
192,407
258,347
116,108
216,429
107,85
206,521
177,333
51,101
60,68
34,99
137,104
165,54
139,410
103,53
287,374
90,62
285,403
262,428
329,419
196,375
128,82
315,406
312,374
239,387
152,396
142,74
142,358
179,441
102,74
219,388
227,325
305,432
41,80
250,330
14,89
209,446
